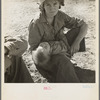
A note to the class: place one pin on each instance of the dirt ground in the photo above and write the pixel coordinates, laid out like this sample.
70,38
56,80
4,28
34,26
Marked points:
19,13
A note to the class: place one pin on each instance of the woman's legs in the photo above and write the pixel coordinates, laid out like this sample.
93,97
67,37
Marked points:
59,70
65,72
71,36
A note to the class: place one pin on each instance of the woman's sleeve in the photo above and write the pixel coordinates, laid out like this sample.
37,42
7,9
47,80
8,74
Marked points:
71,22
34,36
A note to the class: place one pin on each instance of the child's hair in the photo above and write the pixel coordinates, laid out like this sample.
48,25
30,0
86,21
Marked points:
41,57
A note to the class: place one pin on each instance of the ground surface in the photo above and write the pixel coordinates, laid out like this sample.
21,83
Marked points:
19,13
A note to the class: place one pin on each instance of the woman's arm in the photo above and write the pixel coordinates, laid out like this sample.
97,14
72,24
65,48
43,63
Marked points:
40,51
71,22
35,36
35,39
83,31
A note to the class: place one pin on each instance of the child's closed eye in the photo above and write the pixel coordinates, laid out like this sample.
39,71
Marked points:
55,4
48,5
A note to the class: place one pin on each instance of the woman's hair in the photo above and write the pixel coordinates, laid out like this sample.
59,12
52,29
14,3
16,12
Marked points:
41,7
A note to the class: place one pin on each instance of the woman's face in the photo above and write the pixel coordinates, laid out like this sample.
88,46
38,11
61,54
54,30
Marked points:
51,7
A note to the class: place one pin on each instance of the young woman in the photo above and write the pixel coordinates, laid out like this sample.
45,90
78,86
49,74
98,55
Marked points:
50,48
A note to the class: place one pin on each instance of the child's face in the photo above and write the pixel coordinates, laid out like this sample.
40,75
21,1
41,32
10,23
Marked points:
51,7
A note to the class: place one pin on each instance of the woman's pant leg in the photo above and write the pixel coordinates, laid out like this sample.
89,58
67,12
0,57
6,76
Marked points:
65,69
71,36
47,71
18,72
23,74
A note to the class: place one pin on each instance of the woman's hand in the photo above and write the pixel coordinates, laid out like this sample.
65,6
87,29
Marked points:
75,47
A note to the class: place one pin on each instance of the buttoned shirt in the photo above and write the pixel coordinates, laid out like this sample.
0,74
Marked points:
41,31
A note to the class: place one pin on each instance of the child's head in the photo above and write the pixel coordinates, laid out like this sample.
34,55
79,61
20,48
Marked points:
51,7
42,54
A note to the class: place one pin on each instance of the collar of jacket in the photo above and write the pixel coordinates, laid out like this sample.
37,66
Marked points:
43,17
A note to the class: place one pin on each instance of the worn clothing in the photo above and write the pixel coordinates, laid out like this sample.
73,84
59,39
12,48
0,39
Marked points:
59,68
41,31
15,68
16,46
13,46
17,72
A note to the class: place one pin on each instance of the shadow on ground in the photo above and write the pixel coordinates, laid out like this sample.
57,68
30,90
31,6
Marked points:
85,75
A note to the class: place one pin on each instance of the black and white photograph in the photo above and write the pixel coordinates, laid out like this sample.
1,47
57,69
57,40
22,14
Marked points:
50,41
49,47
